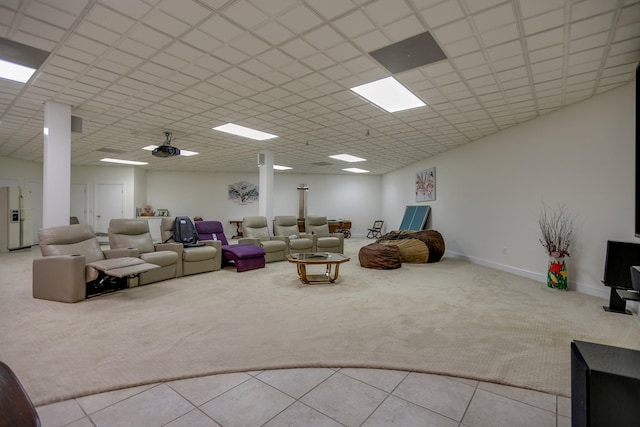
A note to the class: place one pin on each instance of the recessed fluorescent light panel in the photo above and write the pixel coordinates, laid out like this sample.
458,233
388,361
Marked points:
19,61
281,168
355,170
182,152
123,162
348,158
15,72
244,131
389,95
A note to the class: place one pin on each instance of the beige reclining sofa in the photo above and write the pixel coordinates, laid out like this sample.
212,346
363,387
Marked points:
134,233
72,259
198,259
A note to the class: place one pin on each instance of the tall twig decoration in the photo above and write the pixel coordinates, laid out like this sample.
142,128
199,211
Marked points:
556,230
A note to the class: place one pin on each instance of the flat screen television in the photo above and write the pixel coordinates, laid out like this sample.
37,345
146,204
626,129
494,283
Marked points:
621,256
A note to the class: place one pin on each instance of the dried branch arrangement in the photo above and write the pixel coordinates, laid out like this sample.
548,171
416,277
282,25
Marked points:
556,229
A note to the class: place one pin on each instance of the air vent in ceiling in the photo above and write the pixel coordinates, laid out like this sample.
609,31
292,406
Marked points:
416,51
321,164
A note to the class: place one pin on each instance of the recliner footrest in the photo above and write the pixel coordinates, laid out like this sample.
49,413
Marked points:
131,270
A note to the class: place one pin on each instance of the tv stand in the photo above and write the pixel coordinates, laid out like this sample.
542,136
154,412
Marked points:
617,304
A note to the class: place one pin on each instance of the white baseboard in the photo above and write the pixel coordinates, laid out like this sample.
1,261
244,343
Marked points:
585,288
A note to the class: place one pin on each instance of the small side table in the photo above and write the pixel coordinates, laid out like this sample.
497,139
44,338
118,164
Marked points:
238,230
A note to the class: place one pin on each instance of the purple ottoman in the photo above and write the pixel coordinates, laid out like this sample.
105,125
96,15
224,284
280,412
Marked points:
244,257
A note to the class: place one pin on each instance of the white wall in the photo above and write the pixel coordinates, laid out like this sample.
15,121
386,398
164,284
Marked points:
489,192
94,175
206,195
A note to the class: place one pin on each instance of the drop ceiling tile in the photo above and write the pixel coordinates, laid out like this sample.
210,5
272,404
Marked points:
274,33
110,19
372,41
586,56
505,50
354,24
469,61
509,63
628,32
545,39
626,46
546,53
589,8
300,19
452,32
331,9
188,12
50,15
461,47
404,28
165,23
493,18
323,37
384,12
530,8
249,44
77,55
476,71
149,36
591,26
443,13
543,22
221,29
342,52
245,14
500,35
135,48
132,8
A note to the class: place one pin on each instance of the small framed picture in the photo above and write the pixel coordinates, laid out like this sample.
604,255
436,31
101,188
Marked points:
162,212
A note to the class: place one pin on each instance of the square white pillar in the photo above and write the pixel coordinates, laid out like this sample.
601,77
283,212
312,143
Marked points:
56,164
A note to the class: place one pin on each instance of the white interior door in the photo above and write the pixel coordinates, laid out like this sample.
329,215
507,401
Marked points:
109,205
79,202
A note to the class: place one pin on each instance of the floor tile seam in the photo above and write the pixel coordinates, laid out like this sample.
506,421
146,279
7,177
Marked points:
375,409
216,396
195,408
119,401
429,409
475,390
376,387
524,403
317,410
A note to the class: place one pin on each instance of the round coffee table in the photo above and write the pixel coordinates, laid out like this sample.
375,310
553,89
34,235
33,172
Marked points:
318,258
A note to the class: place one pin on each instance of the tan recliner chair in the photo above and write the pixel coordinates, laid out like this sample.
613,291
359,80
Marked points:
73,259
256,232
198,259
287,227
134,233
323,240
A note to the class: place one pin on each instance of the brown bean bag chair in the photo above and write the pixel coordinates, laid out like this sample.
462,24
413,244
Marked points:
411,250
380,257
432,238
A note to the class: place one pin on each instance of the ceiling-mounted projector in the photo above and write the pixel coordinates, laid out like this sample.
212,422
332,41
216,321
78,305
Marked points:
166,149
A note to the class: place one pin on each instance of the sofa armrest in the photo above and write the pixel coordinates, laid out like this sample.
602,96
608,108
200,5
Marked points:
215,243
59,278
122,252
172,246
282,239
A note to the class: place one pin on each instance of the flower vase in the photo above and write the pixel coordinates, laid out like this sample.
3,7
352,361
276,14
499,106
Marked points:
557,274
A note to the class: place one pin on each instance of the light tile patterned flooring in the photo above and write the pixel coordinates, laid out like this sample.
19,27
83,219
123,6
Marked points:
315,397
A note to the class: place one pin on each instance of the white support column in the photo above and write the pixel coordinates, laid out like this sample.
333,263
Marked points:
265,201
57,164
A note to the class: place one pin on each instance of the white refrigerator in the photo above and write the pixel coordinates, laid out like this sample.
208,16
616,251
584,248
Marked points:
16,218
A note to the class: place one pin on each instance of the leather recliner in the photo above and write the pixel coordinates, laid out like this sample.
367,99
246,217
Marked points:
287,227
72,258
199,259
256,231
134,233
323,240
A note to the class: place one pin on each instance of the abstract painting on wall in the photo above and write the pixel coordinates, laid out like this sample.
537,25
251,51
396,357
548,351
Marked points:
243,192
426,185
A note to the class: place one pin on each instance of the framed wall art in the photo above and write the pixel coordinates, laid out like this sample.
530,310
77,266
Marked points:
426,185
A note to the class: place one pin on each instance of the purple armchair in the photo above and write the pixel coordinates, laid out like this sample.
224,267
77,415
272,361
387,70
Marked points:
244,256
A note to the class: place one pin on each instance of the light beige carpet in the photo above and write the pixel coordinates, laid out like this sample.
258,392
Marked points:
451,317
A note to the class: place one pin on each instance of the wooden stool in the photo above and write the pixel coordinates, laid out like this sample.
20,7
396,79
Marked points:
16,408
